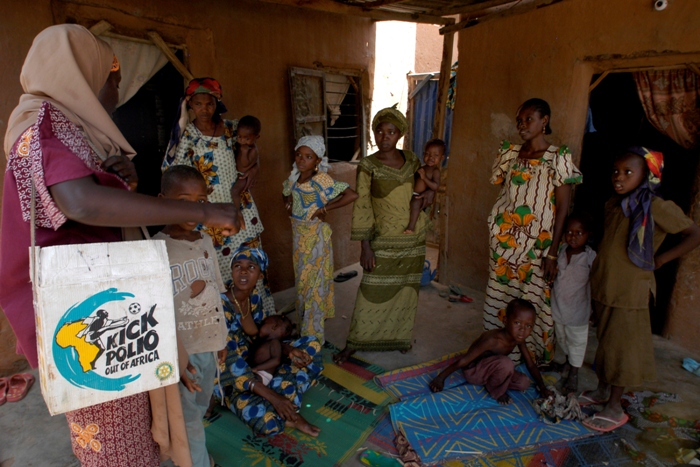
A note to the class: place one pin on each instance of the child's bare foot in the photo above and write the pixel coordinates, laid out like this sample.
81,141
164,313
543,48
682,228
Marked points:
504,399
342,356
408,231
305,427
405,351
210,409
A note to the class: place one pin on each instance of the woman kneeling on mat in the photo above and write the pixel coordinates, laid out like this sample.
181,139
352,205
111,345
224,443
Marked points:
266,408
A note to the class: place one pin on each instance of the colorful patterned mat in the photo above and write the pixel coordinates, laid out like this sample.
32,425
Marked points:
464,418
346,405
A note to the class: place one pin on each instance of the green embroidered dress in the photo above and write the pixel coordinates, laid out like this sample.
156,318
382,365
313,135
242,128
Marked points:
386,303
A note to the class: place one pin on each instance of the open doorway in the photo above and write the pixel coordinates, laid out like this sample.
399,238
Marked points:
619,121
146,120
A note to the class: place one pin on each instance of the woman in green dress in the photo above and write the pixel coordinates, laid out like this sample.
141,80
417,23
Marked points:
386,303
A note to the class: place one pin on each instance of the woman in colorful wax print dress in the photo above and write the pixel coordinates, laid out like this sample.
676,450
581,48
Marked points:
527,224
266,409
387,299
208,143
61,139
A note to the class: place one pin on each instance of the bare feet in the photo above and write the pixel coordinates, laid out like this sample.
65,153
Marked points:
405,351
305,427
342,356
599,396
504,399
408,231
607,419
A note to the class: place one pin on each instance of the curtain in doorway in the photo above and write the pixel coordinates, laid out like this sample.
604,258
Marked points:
671,101
138,63
337,87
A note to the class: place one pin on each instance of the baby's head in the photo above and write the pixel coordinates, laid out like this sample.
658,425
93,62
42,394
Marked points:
186,183
434,152
248,130
275,327
633,167
520,319
579,226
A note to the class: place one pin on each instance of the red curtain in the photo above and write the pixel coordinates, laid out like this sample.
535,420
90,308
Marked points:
671,100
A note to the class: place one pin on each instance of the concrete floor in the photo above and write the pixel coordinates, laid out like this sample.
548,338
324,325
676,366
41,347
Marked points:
32,438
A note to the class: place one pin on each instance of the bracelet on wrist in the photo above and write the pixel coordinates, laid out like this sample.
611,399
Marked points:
552,257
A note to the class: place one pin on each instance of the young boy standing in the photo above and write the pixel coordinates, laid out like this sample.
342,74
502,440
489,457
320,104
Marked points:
201,324
487,363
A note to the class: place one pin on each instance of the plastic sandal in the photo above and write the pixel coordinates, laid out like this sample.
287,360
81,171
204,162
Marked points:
18,386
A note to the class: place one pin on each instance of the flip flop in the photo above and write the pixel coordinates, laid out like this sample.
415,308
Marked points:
3,390
614,423
345,276
585,401
19,386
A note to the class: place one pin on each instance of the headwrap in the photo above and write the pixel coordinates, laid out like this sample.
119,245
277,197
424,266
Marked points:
255,255
637,206
68,66
393,116
196,86
317,145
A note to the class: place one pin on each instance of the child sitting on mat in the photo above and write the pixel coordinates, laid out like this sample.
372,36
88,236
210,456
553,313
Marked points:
266,350
427,178
487,363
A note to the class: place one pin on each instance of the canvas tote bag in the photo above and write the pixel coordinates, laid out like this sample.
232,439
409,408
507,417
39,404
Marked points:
105,320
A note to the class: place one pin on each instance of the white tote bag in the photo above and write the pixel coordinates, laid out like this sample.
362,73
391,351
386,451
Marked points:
105,321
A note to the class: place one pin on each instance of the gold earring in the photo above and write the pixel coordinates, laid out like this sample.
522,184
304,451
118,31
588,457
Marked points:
544,129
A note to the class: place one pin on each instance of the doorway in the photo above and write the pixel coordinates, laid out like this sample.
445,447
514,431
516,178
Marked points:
619,121
146,120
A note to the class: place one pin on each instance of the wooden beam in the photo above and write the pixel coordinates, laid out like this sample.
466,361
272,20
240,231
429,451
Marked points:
378,3
469,9
515,10
448,41
598,80
160,43
330,6
100,28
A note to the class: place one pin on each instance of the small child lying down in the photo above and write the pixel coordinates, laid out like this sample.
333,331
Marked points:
266,353
486,362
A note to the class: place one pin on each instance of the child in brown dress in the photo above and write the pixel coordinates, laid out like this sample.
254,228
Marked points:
622,278
487,363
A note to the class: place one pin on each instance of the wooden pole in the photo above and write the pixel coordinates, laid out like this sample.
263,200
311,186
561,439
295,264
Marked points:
443,87
160,43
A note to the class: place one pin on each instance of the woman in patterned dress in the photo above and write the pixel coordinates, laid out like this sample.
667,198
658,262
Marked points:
392,261
207,143
527,224
310,193
62,141
267,410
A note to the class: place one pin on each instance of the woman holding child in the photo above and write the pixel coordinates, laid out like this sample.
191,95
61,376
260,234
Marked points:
62,141
216,147
527,223
387,299
266,408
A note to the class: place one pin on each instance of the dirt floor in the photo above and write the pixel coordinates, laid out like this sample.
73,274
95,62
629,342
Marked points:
32,438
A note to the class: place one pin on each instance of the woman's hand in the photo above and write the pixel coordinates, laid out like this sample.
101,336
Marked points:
222,215
549,269
123,168
320,214
284,407
300,358
367,258
428,197
221,355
